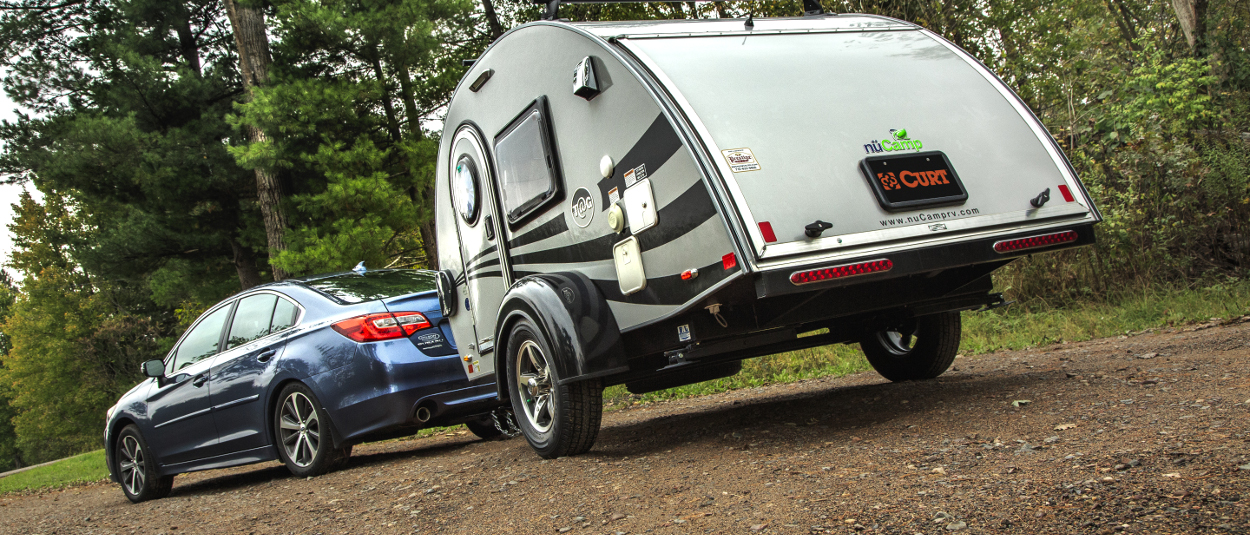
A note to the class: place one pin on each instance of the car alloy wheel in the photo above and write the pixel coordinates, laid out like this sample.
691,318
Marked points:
300,429
132,465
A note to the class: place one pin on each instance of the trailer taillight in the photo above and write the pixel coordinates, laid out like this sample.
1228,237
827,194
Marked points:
382,326
841,272
1034,242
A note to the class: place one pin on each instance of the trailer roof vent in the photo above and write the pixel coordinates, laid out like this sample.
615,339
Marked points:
1034,242
841,272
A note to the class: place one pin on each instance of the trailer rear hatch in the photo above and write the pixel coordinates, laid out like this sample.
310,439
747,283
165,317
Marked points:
879,128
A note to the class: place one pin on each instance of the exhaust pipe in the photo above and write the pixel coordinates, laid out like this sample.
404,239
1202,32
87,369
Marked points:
423,414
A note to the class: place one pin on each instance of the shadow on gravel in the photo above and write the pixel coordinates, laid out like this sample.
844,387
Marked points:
270,472
826,414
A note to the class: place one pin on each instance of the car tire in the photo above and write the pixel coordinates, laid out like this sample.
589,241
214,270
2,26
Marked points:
302,433
484,429
557,420
922,348
136,469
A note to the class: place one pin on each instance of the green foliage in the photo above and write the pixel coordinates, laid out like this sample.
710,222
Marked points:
74,347
84,468
346,116
10,456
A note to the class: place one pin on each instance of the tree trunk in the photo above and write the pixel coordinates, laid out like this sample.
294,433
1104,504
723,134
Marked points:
492,20
1193,17
428,237
245,266
254,62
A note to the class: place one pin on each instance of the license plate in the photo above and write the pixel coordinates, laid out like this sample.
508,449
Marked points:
907,182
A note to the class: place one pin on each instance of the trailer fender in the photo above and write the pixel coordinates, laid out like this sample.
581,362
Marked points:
575,319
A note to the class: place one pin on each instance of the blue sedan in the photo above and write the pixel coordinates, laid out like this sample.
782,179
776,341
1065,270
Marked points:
300,371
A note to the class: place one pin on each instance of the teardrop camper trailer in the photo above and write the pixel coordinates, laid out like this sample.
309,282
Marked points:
650,203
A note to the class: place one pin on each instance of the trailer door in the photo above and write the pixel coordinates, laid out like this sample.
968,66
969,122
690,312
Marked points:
477,224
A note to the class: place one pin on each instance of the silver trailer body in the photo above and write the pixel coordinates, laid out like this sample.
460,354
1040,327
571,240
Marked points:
644,190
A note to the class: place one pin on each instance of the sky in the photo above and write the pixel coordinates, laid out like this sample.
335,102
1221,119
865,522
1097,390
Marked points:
9,193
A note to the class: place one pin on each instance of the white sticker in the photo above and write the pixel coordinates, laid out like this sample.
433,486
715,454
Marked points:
741,160
683,333
613,195
634,175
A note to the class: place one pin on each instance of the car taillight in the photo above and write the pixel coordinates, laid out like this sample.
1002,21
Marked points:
841,272
381,326
1034,242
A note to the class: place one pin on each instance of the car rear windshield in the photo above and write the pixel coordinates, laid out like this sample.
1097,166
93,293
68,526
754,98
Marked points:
356,288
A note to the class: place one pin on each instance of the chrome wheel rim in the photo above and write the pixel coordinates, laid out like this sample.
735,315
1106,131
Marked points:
300,429
534,385
132,465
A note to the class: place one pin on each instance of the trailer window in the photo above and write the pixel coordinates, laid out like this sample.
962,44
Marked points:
464,188
527,167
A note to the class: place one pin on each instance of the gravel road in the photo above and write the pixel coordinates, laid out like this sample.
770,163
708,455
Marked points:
1140,434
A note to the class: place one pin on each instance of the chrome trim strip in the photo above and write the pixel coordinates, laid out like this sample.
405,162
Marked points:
183,417
888,248
851,241
239,401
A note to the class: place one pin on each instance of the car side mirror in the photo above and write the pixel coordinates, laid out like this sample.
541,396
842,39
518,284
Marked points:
154,368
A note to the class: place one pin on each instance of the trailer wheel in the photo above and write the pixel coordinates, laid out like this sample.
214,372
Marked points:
922,348
557,420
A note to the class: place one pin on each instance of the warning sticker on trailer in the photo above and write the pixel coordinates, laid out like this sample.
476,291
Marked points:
741,160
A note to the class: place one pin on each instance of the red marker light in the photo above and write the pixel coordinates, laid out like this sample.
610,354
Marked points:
1067,194
729,261
689,274
1034,242
841,272
766,229
381,326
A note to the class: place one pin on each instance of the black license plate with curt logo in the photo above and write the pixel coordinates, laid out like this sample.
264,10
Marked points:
905,182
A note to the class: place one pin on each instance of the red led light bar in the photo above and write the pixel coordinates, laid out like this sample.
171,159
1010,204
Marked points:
1034,242
841,272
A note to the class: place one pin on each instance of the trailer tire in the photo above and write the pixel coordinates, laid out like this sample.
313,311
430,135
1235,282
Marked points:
557,420
923,348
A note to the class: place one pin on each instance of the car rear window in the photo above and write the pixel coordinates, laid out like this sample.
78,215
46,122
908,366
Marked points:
372,285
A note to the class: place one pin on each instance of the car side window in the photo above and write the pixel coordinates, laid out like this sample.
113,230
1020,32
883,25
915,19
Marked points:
251,319
284,316
201,342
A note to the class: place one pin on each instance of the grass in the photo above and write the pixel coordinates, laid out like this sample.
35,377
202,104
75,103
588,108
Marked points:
78,469
1016,327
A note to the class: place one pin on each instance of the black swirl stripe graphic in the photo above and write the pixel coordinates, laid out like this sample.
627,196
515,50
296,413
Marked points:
659,143
485,274
479,256
686,212
484,264
546,230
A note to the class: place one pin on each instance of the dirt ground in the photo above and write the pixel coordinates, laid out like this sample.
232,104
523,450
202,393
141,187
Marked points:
1138,434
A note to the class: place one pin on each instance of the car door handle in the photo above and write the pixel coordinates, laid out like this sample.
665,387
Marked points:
265,355
199,380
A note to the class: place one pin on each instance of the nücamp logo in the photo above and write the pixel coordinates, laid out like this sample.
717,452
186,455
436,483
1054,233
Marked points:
898,141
